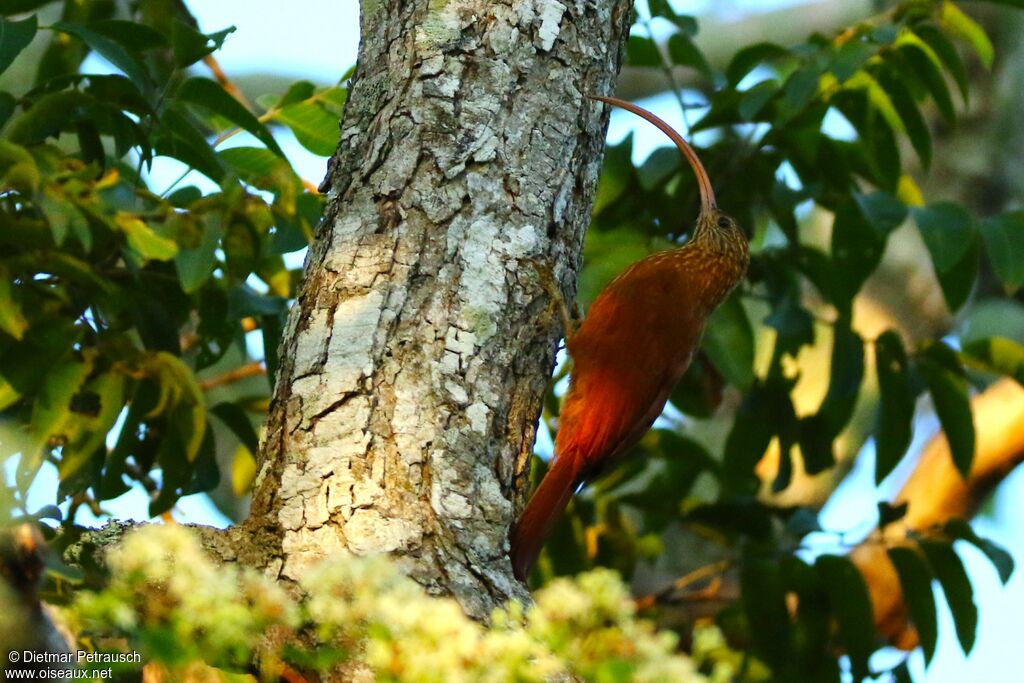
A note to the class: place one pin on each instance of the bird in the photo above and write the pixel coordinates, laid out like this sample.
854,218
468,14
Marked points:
636,341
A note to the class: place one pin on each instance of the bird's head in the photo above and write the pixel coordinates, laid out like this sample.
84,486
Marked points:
714,229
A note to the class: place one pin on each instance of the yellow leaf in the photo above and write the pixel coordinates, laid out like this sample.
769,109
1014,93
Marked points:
908,192
143,239
961,25
12,321
243,471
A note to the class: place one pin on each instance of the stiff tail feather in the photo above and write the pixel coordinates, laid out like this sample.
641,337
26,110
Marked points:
544,508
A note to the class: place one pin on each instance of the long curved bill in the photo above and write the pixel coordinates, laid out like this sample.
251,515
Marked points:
707,194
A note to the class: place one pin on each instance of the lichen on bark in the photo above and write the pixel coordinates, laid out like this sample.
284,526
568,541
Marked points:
417,354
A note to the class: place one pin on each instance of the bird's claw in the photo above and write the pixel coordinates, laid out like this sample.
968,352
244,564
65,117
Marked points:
570,315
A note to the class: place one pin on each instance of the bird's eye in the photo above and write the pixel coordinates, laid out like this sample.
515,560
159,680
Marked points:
724,222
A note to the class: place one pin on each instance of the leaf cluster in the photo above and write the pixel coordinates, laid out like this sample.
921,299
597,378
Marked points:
766,131
126,300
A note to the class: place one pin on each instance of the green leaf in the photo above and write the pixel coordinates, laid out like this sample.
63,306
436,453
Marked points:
212,96
764,600
46,343
658,167
959,24
699,392
958,283
184,197
132,35
115,53
913,122
890,514
946,51
997,354
64,217
755,98
952,405
877,98
615,177
641,51
951,237
608,253
766,410
194,266
896,404
108,389
47,117
851,606
334,99
241,245
662,8
850,57
182,140
8,394
180,400
866,106
949,569
20,6
729,342
315,128
1004,242
244,301
818,432
15,37
798,90
916,581
884,212
144,241
794,325
684,52
921,63
744,61
7,105
12,320
51,413
297,92
238,422
814,626
846,376
857,249
190,45
1000,559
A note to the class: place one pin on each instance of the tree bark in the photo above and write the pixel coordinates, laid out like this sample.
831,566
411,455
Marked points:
416,357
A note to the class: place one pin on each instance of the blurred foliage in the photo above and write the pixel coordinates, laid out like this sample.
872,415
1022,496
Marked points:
126,308
168,601
124,305
766,129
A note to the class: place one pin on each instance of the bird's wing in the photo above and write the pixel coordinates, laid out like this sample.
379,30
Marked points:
636,342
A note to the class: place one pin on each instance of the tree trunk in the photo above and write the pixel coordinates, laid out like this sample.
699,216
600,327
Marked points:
416,357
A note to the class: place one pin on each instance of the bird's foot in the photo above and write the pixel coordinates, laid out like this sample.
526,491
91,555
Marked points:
570,315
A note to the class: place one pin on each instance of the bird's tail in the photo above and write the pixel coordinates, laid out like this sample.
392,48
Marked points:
546,504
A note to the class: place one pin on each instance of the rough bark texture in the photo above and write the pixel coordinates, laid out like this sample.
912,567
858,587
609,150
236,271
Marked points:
418,352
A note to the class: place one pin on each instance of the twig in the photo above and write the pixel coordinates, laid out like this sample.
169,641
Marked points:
225,82
710,571
188,340
80,499
237,374
666,68
136,473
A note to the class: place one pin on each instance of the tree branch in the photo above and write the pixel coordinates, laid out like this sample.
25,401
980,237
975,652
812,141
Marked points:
936,493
